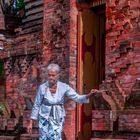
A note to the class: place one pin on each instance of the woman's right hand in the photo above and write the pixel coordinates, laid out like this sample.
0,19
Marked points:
29,127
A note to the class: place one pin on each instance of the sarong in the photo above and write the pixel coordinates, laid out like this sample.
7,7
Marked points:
50,129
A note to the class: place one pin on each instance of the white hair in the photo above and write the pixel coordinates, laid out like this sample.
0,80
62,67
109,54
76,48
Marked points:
53,66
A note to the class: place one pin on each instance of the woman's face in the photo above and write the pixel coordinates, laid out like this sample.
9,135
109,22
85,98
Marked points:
53,76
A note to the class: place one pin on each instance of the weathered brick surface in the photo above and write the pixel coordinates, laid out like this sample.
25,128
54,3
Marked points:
122,57
122,34
101,120
22,64
129,122
7,137
29,137
25,58
2,24
59,45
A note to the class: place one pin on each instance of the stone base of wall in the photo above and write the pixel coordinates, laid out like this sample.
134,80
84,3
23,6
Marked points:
29,137
127,126
22,137
129,121
101,120
7,137
106,139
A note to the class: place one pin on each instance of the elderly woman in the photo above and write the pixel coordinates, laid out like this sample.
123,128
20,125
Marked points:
48,107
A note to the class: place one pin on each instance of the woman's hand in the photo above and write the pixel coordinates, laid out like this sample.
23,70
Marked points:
92,92
29,127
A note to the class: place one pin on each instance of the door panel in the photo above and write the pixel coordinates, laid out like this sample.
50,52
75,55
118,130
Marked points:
91,63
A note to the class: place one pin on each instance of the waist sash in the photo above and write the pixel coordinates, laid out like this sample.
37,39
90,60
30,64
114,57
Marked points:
56,111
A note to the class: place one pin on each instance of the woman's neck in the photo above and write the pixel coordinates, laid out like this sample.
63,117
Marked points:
52,85
52,88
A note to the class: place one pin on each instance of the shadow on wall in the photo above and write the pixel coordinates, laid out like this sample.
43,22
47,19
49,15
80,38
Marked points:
63,136
133,100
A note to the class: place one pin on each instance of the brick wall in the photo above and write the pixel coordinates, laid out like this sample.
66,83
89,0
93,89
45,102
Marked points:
22,64
25,58
101,120
122,40
129,121
122,56
59,46
2,25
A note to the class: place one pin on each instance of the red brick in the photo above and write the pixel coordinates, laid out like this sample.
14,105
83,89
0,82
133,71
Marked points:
130,122
101,120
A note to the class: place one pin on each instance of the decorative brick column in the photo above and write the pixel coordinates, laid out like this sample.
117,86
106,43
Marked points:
60,46
2,24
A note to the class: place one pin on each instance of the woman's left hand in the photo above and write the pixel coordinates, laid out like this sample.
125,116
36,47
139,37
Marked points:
92,92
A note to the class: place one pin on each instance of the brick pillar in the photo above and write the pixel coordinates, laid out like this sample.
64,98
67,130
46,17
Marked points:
2,24
72,70
56,29
122,40
2,38
60,46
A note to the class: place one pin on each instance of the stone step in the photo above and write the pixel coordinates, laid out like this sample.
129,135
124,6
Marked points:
29,137
106,139
22,137
7,137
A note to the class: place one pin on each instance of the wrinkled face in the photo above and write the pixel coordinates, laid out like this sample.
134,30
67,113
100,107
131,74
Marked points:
53,76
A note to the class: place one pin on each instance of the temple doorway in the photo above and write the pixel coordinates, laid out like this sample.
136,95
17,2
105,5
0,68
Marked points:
91,62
